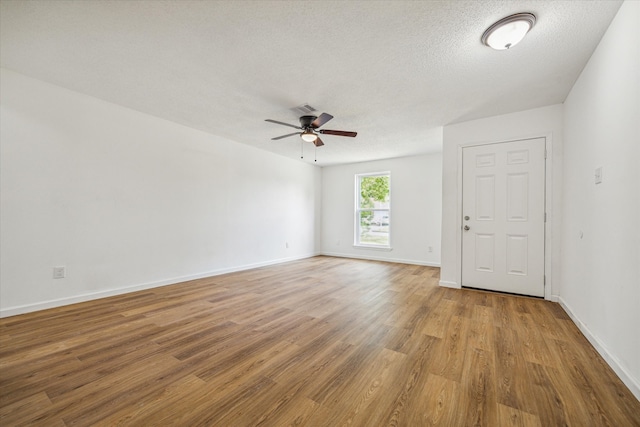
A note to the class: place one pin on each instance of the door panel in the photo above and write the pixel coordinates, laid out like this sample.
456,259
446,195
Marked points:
485,255
517,196
517,254
503,199
485,198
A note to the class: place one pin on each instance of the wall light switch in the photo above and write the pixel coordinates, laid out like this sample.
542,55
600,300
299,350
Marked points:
598,175
59,272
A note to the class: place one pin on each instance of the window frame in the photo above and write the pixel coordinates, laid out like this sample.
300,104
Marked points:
358,210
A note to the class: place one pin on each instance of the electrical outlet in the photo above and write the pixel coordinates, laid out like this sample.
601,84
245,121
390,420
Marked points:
59,272
430,248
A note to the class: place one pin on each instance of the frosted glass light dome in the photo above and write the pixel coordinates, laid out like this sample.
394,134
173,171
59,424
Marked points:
308,136
509,31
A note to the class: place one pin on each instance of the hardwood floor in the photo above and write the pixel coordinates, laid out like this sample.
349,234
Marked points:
318,342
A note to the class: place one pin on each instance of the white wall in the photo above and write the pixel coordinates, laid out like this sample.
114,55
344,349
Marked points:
127,201
545,122
416,198
601,234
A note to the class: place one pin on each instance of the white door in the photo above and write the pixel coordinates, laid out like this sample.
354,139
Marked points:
503,189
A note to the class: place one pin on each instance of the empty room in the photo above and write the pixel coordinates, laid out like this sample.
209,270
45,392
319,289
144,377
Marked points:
319,213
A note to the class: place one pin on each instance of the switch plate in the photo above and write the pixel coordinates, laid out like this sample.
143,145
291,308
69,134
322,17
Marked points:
59,272
598,175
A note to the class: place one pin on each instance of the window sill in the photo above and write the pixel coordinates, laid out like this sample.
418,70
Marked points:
375,248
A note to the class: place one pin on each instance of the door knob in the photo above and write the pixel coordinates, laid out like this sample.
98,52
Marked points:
467,228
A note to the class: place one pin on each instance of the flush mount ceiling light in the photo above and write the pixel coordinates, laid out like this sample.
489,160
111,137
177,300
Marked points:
508,31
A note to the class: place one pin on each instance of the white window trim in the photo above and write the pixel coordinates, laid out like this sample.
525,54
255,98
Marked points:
357,210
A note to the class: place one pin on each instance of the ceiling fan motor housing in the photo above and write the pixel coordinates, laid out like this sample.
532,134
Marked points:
305,121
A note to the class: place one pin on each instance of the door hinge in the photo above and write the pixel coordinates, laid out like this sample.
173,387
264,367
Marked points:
545,217
545,153
544,280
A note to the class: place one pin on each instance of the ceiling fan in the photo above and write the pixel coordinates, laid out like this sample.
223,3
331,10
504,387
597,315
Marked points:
309,126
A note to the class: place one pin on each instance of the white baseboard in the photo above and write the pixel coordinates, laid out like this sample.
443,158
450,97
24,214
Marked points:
381,258
601,348
448,284
28,308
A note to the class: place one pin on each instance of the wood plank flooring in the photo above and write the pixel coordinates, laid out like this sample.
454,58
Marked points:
318,342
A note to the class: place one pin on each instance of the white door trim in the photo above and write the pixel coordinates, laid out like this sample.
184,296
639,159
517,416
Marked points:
548,289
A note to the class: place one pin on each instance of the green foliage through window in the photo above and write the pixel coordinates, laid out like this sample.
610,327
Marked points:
373,189
373,210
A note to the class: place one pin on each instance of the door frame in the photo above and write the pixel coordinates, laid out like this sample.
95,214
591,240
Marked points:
548,226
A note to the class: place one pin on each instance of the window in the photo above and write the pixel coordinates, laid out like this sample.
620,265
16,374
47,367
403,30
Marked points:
373,210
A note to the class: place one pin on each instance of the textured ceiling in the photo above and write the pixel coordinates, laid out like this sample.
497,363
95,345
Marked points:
394,71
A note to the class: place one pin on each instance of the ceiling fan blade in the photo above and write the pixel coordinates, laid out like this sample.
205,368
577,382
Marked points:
282,123
319,121
337,132
318,142
285,136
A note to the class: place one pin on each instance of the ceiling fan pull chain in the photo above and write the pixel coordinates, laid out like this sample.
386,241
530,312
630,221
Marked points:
315,153
301,150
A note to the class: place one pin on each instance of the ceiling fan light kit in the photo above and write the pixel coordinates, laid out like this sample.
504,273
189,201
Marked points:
308,136
508,31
